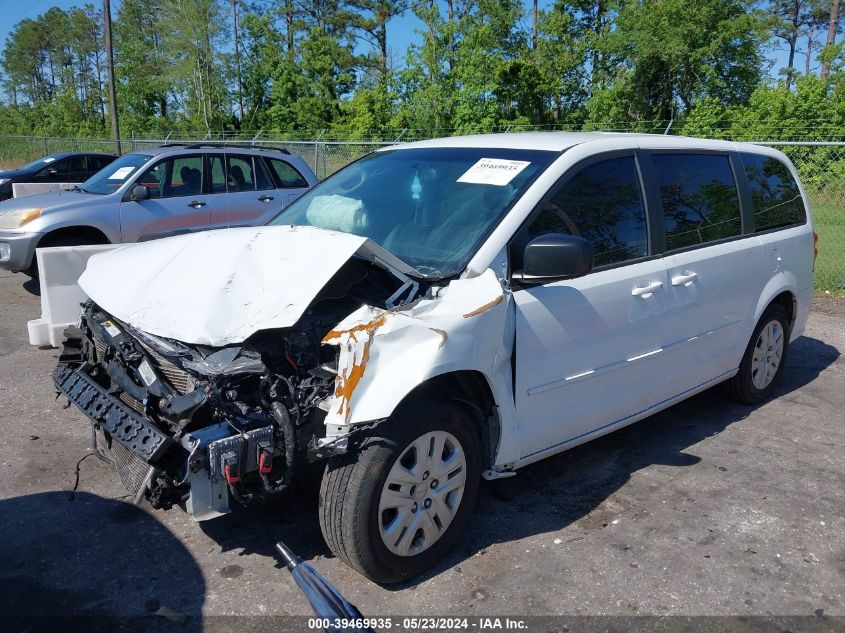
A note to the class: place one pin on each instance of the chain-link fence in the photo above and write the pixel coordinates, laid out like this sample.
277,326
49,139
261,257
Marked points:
323,156
820,164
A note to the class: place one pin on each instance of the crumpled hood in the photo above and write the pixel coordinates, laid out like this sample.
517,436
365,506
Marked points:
219,287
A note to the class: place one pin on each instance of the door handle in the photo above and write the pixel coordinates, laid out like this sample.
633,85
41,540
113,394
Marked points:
646,291
196,204
265,198
683,279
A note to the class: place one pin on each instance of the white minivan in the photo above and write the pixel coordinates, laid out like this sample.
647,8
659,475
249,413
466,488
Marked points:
435,313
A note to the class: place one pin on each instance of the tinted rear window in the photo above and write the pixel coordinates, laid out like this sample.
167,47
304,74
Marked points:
96,163
700,199
289,178
775,196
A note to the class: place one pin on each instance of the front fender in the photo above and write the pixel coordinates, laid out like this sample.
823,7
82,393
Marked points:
386,354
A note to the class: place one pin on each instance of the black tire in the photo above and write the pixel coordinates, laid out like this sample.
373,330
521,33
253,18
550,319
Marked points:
61,240
352,485
741,387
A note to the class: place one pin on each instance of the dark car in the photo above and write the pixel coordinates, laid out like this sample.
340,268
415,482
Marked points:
57,168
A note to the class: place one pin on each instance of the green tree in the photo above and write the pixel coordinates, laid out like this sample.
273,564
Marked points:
193,33
790,18
141,66
671,54
560,57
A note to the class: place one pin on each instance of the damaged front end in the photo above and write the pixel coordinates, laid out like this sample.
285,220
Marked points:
191,424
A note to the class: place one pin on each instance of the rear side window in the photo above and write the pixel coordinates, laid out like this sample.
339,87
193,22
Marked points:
602,203
262,178
239,176
218,173
70,165
775,196
700,199
289,178
96,163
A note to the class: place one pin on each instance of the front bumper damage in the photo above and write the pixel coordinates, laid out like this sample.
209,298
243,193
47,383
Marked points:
136,448
193,427
198,423
209,398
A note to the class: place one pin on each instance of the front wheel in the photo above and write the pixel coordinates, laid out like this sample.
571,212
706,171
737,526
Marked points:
763,359
392,508
62,240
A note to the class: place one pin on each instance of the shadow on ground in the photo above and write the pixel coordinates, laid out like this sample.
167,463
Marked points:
546,496
93,564
32,286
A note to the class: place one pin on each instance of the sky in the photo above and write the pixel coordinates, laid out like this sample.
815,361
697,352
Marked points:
401,30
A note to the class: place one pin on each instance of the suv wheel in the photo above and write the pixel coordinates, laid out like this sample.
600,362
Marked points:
764,357
392,508
62,240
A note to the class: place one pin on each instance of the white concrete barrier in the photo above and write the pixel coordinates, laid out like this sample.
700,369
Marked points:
20,189
59,269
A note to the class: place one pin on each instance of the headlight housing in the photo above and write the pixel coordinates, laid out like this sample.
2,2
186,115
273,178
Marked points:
3,181
17,218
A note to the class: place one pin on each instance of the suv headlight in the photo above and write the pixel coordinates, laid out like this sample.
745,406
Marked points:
17,218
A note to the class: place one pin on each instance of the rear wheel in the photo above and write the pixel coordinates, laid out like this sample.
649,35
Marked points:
763,359
392,508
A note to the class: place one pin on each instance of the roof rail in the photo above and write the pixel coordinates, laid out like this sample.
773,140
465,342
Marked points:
281,150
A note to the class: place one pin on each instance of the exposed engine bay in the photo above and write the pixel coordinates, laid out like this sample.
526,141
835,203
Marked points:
189,424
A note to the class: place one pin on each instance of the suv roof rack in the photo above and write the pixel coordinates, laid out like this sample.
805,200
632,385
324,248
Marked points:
281,150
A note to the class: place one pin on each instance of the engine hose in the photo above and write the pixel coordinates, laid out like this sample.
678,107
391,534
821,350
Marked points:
244,498
292,393
282,417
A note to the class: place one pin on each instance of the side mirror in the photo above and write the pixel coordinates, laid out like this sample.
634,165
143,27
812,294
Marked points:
139,192
553,257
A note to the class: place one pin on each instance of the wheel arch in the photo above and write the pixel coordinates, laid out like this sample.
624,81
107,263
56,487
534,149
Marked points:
472,391
781,291
82,230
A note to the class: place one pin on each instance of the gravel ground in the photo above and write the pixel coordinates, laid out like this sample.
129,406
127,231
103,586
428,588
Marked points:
707,508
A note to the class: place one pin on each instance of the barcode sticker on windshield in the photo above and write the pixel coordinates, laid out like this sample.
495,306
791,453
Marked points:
121,173
493,171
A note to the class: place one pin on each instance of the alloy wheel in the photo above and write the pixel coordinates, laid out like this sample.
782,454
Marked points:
768,351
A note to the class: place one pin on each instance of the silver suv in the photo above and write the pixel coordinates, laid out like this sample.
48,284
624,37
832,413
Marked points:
154,193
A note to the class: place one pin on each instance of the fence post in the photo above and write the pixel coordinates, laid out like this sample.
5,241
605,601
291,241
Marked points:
46,146
317,154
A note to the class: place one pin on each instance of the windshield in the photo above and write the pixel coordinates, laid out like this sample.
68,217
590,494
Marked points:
37,164
429,207
111,178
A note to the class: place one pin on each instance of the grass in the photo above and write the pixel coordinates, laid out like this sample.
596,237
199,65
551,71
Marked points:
829,218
